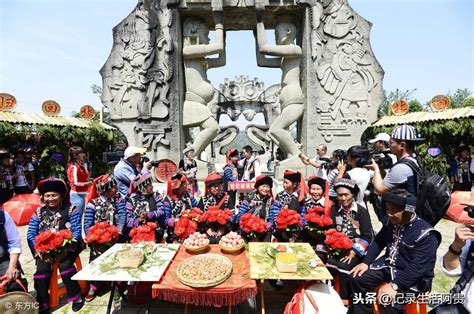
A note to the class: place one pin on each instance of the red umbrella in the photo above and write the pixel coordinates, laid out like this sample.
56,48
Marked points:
21,207
456,210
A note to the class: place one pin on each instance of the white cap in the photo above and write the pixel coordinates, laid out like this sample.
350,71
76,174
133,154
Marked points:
132,150
380,137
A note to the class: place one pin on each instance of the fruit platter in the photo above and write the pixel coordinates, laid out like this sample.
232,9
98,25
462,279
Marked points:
231,243
207,270
196,243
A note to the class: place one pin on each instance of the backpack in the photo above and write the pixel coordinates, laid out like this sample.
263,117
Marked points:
433,195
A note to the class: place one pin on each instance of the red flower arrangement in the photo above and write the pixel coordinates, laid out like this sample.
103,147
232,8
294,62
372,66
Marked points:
102,236
187,223
252,225
214,215
143,233
316,221
52,245
288,220
337,242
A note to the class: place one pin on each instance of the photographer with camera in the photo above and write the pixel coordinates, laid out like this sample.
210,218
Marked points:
459,261
339,158
381,152
382,156
357,157
318,161
400,175
126,169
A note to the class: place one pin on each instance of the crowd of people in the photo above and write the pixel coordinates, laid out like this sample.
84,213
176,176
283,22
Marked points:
399,258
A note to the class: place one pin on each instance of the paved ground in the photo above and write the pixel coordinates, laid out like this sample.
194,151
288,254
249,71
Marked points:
441,283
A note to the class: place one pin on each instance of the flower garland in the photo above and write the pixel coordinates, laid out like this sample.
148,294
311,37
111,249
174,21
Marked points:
252,225
337,242
288,220
52,245
143,233
102,236
316,220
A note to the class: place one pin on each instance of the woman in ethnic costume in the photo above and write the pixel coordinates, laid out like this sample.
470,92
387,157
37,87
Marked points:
177,199
258,202
354,220
143,205
104,205
56,215
231,174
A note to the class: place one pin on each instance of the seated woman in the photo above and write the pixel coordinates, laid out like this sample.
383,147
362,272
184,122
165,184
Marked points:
258,202
213,195
56,214
143,205
105,205
318,196
292,196
176,200
354,220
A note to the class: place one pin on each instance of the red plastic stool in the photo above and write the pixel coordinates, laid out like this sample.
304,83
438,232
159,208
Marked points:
55,292
337,287
410,308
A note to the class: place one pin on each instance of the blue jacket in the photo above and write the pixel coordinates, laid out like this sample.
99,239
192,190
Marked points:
120,214
412,259
124,173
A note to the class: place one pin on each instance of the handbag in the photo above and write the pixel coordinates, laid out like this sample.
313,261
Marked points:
18,284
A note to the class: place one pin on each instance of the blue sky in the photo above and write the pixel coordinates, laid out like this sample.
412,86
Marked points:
53,49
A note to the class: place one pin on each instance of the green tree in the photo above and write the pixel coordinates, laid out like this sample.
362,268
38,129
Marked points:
415,106
461,98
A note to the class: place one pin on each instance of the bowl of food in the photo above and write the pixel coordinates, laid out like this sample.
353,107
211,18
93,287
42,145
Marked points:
231,243
196,243
286,262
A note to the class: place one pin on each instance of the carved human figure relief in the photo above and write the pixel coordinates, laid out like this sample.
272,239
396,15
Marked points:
199,91
287,56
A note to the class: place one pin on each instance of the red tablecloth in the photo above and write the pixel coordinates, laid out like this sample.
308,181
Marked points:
236,289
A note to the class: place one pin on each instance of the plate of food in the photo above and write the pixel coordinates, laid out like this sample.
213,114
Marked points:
207,270
196,243
130,258
231,243
273,250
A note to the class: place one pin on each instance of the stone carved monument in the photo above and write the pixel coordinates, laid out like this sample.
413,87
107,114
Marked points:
155,83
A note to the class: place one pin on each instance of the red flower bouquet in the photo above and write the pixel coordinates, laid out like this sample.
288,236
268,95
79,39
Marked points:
143,233
252,225
52,246
316,221
337,243
215,216
102,236
187,223
288,220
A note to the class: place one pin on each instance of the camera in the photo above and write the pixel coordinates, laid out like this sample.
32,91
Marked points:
382,159
154,163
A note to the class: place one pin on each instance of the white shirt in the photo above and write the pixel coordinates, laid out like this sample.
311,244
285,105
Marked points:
21,180
469,289
362,177
256,164
320,172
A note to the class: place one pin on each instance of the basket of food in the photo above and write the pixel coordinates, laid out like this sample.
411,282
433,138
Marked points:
231,243
130,258
196,243
206,270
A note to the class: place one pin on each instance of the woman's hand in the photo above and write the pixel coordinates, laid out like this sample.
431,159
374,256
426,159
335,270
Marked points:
348,258
12,272
341,166
359,270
